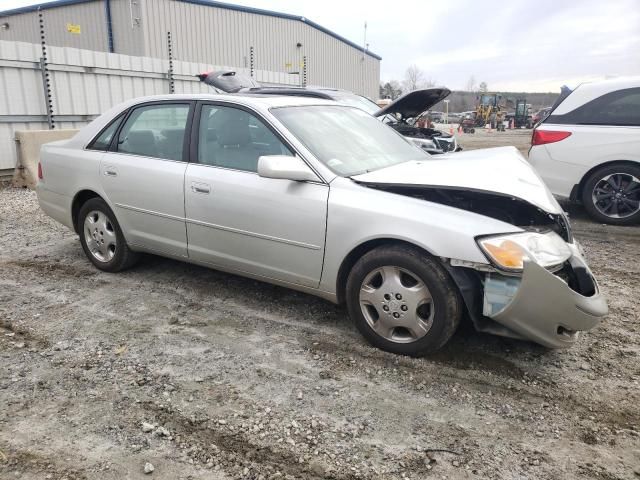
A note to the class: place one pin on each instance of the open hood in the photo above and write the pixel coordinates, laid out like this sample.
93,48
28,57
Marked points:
502,171
414,103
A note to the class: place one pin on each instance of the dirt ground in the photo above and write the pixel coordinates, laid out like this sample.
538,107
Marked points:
205,375
483,138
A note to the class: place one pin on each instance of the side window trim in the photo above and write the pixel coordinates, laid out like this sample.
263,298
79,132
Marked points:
194,147
185,143
195,133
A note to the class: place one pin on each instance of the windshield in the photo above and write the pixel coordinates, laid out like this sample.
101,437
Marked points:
347,140
357,101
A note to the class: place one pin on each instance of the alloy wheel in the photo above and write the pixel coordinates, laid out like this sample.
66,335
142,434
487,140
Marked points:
396,304
617,195
100,236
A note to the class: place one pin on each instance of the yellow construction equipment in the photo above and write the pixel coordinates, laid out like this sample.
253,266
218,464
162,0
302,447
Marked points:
490,110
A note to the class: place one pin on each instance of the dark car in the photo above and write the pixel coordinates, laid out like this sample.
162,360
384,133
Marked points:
399,114
541,115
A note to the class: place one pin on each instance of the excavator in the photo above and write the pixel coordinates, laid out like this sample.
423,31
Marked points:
489,110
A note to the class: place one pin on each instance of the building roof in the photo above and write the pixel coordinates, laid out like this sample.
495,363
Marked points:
209,3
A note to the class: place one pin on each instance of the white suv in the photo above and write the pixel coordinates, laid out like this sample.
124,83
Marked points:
588,149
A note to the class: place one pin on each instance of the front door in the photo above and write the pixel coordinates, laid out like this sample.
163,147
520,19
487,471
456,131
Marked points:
143,177
239,220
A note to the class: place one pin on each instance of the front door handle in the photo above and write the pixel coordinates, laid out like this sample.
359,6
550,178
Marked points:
198,187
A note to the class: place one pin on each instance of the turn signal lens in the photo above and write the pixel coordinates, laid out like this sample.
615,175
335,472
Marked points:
506,253
509,252
40,177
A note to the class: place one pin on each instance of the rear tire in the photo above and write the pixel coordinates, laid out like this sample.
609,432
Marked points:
403,301
102,239
611,194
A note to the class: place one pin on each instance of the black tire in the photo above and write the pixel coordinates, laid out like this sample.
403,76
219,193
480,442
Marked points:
123,256
598,210
447,302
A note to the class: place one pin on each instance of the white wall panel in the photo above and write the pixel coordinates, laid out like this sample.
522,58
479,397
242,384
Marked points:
207,34
85,82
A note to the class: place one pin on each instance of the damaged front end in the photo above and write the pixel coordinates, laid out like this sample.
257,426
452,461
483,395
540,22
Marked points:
548,302
505,208
547,307
429,139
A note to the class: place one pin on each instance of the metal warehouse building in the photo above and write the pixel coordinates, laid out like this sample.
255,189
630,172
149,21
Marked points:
205,32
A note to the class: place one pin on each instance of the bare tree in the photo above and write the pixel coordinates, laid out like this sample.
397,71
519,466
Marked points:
413,78
471,84
483,87
390,90
429,82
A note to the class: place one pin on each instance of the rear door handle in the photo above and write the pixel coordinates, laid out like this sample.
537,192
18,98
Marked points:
110,171
198,187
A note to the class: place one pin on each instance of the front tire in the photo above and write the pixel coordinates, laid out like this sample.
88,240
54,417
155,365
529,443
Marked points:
611,194
102,239
403,301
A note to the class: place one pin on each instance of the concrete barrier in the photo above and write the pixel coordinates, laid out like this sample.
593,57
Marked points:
28,143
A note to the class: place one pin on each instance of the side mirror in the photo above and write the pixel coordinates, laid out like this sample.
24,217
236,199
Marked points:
286,168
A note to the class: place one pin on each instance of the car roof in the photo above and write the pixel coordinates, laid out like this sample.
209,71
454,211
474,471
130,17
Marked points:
588,91
297,91
251,100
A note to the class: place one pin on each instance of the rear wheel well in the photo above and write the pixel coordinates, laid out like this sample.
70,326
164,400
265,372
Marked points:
79,200
585,177
354,255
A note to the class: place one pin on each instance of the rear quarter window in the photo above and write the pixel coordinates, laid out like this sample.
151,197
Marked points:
104,138
619,108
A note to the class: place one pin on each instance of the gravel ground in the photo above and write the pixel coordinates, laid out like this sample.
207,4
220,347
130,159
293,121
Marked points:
483,138
176,372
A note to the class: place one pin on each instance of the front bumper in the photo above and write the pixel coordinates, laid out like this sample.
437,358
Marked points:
543,307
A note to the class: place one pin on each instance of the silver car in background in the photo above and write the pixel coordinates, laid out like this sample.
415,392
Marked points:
326,199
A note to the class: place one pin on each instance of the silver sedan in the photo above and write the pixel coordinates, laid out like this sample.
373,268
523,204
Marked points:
326,199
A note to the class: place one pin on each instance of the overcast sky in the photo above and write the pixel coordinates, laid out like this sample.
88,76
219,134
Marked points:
516,45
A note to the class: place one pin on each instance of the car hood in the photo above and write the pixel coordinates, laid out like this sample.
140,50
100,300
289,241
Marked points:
502,171
414,103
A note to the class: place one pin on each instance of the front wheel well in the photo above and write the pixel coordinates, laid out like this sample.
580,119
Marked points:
354,255
80,199
578,194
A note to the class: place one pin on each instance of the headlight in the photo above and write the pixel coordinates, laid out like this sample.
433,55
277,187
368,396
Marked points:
423,143
510,251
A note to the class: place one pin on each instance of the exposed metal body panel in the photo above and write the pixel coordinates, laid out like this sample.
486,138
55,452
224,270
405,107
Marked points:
206,32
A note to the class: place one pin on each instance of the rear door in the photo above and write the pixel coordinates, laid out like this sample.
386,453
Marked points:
235,218
143,176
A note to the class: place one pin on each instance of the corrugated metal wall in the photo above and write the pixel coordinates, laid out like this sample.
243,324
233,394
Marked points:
90,17
206,34
84,83
222,36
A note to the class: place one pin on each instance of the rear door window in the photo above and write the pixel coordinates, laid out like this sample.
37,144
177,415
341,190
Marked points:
620,108
155,131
